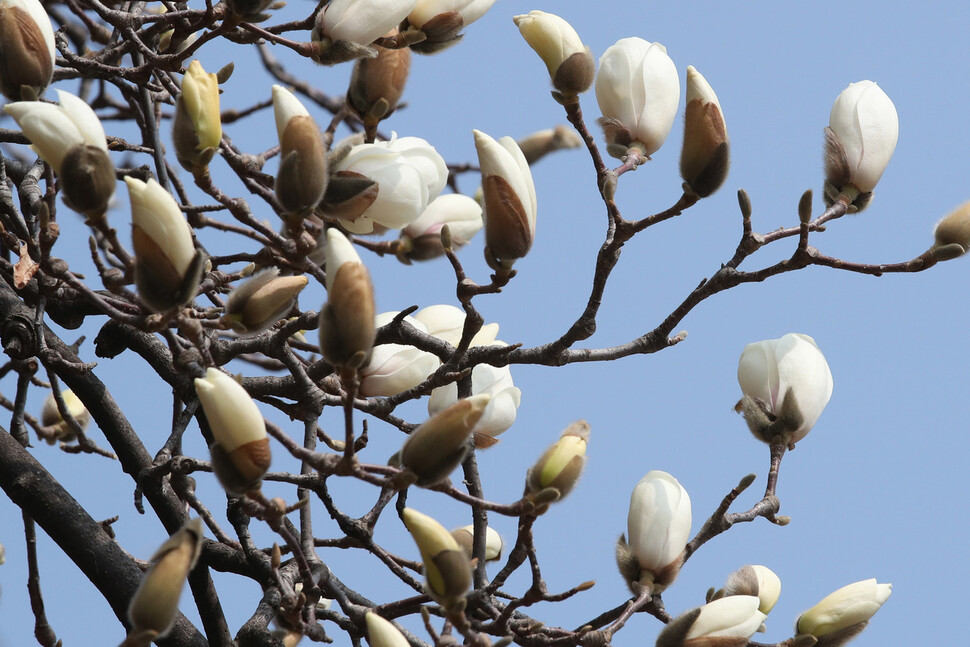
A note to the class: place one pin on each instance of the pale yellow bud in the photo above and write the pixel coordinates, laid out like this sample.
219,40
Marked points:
446,567
560,466
197,129
382,633
569,62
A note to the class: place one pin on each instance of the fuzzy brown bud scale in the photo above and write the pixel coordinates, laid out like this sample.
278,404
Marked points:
347,319
377,84
25,60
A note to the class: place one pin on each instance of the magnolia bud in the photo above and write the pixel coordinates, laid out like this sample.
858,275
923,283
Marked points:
569,62
259,303
438,446
465,536
167,265
197,127
952,234
71,139
542,142
509,199
558,469
382,633
756,580
638,90
860,140
704,158
421,240
376,84
347,318
50,416
155,603
240,453
441,21
659,526
302,177
26,48
786,384
344,28
447,571
726,622
841,615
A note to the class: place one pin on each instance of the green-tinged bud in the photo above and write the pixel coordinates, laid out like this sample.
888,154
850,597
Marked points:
952,234
842,615
197,128
26,49
383,633
465,536
302,177
447,571
542,142
570,64
261,301
437,447
347,318
377,84
168,268
704,158
559,467
240,454
154,606
57,427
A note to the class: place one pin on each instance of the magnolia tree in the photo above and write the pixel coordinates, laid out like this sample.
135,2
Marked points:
279,400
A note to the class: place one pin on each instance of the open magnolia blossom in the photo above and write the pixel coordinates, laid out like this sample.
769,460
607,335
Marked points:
844,609
658,526
786,383
421,240
638,90
26,48
384,185
860,140
394,368
569,62
344,29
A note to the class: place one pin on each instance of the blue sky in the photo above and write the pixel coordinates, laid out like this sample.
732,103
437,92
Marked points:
876,489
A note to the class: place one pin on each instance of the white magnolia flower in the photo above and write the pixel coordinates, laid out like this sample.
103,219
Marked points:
394,368
848,606
864,120
495,381
769,370
447,322
409,174
233,416
361,21
736,616
422,238
659,521
26,49
638,90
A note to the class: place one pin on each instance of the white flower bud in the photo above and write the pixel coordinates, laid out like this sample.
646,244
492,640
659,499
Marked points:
197,128
493,541
447,570
347,318
786,383
433,450
421,240
394,368
442,21
569,62
259,303
736,616
26,48
558,469
638,90
302,177
345,28
850,605
865,128
382,633
704,157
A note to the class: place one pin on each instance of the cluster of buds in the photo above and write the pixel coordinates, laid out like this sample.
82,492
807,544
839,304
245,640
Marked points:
859,141
70,138
841,616
155,604
786,384
704,158
421,240
725,622
433,450
376,85
509,200
168,267
259,303
951,236
658,527
638,90
570,63
558,469
447,569
302,177
240,452
347,318
55,426
345,29
26,49
440,22
197,127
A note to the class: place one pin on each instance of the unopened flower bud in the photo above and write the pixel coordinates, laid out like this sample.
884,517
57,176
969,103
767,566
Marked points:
26,49
542,142
441,21
168,268
58,427
382,633
558,469
197,127
240,453
259,303
841,615
347,318
704,158
70,138
756,580
569,62
344,29
302,177
154,606
509,200
438,446
447,570
658,524
421,240
376,84
952,234
726,622
465,536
